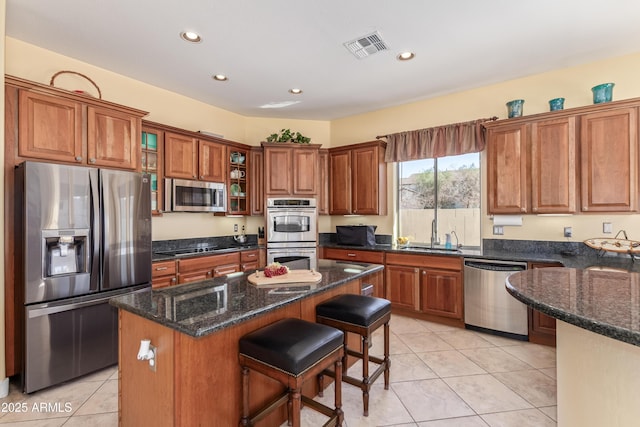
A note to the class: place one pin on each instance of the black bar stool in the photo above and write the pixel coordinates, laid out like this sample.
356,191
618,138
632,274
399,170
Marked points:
291,351
362,315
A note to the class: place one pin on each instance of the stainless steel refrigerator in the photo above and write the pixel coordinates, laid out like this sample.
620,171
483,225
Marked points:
87,238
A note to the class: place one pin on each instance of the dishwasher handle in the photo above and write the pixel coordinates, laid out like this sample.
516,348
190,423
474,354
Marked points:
484,265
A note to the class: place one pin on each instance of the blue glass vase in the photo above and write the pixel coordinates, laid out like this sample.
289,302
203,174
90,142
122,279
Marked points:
556,104
514,108
602,93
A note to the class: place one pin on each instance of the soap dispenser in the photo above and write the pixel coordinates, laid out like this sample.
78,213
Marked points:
447,242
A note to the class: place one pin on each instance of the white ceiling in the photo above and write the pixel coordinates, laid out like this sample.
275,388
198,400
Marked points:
268,47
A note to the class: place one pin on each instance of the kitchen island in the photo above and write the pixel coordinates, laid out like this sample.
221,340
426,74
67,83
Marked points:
195,328
598,340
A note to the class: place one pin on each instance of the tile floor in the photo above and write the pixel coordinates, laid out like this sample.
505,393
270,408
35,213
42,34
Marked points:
440,377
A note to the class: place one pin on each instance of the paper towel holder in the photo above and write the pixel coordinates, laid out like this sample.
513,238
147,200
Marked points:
147,352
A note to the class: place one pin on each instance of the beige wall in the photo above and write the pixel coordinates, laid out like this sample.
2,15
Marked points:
574,84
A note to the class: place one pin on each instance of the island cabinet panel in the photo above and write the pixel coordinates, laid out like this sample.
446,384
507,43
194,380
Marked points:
373,257
507,169
146,397
553,166
609,173
198,381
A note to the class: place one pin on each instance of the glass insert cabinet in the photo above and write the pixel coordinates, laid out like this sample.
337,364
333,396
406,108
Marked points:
238,182
151,164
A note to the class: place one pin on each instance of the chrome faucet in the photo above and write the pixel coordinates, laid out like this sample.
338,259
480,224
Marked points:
453,233
434,233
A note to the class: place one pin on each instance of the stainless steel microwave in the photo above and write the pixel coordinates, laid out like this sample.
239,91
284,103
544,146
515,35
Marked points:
182,195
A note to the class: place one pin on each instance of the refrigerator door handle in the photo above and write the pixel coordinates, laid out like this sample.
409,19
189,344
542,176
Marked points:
45,311
96,232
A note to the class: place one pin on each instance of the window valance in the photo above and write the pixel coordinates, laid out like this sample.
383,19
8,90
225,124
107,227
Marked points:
440,141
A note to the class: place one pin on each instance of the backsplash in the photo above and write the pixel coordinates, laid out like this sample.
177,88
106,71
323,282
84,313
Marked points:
222,242
542,247
330,238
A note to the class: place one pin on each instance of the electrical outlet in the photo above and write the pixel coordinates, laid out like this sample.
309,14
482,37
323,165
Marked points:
568,232
498,230
235,228
607,227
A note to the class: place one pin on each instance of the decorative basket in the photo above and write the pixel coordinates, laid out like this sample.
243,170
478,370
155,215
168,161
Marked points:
81,92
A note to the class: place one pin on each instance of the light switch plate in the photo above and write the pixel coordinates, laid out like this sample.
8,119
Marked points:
607,227
498,230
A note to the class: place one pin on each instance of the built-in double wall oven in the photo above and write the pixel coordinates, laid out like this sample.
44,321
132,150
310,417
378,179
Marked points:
292,235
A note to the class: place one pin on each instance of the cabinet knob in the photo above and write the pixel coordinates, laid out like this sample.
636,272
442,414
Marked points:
523,209
92,160
173,280
584,208
78,158
201,176
424,273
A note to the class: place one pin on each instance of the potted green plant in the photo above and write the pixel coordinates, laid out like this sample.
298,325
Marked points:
286,135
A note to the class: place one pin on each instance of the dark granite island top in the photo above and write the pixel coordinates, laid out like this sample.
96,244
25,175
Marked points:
598,340
201,308
601,300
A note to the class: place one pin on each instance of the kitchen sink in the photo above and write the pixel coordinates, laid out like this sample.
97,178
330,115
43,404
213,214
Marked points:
429,249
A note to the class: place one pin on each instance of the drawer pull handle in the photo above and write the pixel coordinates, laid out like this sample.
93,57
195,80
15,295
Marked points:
161,268
351,254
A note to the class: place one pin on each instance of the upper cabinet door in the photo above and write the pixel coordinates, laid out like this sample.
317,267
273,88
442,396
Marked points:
305,171
180,156
609,161
507,169
277,162
212,159
323,185
340,175
553,166
50,128
113,138
368,181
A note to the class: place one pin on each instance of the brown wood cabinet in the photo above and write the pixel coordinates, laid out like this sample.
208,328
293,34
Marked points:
371,257
428,286
609,160
291,169
578,160
256,186
249,260
164,273
323,186
239,181
206,267
553,166
152,144
358,179
542,328
507,169
187,157
57,126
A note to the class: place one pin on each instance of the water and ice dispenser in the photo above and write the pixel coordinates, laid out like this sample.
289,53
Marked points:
65,254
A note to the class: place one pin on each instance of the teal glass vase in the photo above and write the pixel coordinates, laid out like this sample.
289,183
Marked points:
514,108
602,93
556,104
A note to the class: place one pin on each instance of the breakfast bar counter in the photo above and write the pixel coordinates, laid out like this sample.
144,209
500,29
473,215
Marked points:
598,340
195,328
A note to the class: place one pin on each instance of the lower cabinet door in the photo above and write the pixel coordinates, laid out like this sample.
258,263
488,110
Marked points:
441,293
402,286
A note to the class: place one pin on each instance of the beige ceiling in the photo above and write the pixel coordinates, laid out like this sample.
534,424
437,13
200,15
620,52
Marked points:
269,46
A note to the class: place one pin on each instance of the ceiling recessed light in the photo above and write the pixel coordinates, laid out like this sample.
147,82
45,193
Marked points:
220,77
190,36
295,91
405,56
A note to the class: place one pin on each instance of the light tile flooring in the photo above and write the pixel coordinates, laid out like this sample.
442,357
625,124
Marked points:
440,377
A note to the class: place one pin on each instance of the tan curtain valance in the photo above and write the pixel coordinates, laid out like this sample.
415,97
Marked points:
429,143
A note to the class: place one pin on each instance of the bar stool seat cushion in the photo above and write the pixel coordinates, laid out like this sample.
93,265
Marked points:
355,309
291,345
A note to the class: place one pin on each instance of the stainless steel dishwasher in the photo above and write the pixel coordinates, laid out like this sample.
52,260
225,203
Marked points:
488,306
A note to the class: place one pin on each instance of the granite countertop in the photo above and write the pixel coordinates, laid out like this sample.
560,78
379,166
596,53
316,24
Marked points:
571,258
602,300
201,308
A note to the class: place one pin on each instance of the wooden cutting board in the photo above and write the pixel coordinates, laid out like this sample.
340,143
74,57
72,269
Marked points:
293,276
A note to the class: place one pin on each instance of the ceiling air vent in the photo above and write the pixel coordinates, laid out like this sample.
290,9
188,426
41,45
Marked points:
366,45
